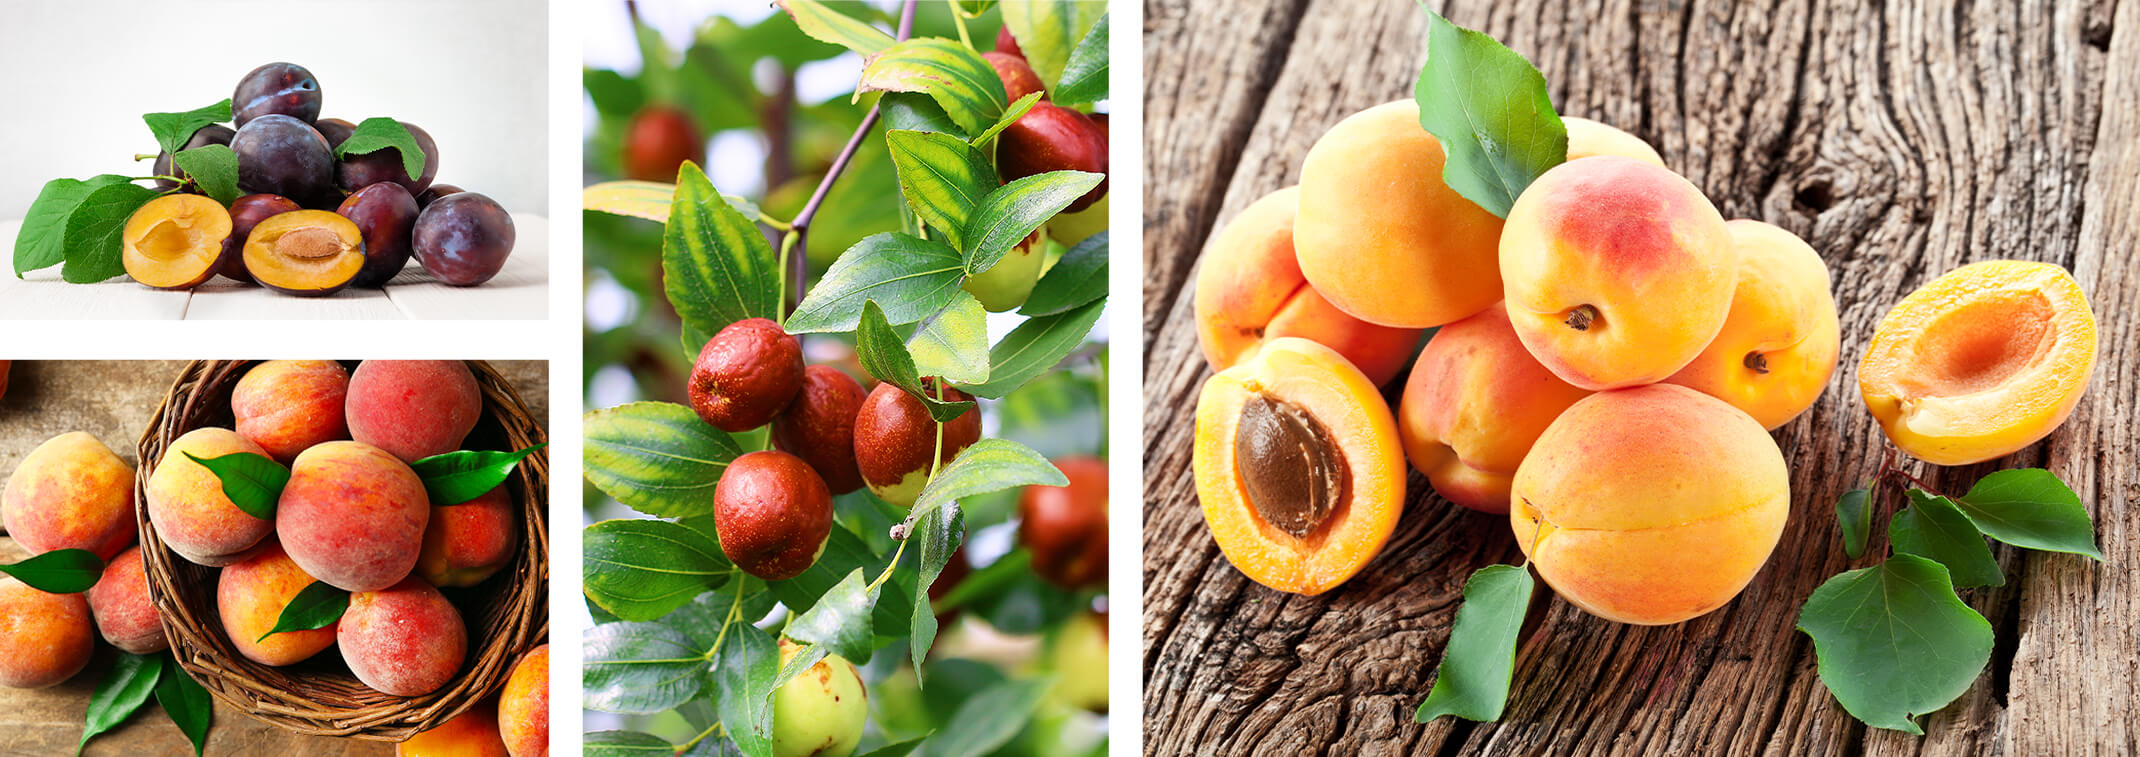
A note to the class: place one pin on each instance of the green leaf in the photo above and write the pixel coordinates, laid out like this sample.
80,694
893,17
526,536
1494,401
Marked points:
172,130
719,267
1049,30
943,178
910,277
845,552
41,242
1080,277
382,133
901,749
1017,110
954,345
989,718
457,477
122,692
1035,347
743,687
625,744
252,482
1894,641
1931,527
648,200
827,25
317,606
885,356
213,168
989,465
614,94
840,620
2031,508
1011,213
1853,513
1489,109
938,534
1472,682
60,571
1084,78
915,112
656,457
956,77
640,668
643,569
187,704
91,242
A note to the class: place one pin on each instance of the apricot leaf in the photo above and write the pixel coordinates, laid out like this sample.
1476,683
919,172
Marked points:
910,278
1473,680
1853,515
643,569
252,482
2030,507
186,703
60,571
827,25
943,178
382,133
1489,109
642,668
648,200
624,744
743,687
1931,527
1049,30
954,346
1009,214
1035,347
989,465
1017,110
656,457
937,535
457,477
839,620
1080,277
213,168
41,242
316,606
174,130
992,716
718,267
884,355
122,692
91,242
1084,77
1894,641
953,75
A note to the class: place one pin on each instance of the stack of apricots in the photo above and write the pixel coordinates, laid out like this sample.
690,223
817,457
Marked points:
353,515
1605,367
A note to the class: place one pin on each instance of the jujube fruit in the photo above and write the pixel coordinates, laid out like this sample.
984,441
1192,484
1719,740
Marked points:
895,440
772,513
745,375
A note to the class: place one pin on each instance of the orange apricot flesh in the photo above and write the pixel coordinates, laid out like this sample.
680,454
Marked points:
1779,344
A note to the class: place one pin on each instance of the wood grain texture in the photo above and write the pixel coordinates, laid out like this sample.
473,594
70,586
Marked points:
1901,140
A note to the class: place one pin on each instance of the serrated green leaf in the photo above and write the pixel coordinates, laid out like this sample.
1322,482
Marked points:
1017,110
640,668
213,168
1480,659
2031,508
956,77
1080,277
641,570
1048,30
954,346
41,242
989,465
943,178
989,718
938,535
1489,109
1084,77
187,704
173,130
131,680
743,687
911,278
252,482
316,606
719,268
1894,641
1853,514
840,619
1008,215
60,571
827,25
91,243
1931,527
1034,347
457,477
625,744
382,133
656,457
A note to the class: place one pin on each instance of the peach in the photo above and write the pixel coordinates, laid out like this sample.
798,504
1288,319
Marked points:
1779,344
44,638
286,406
353,516
187,505
124,610
405,640
467,543
413,408
1617,272
524,705
250,596
470,734
1589,139
1981,362
71,492
1650,505
1249,289
1381,236
1475,402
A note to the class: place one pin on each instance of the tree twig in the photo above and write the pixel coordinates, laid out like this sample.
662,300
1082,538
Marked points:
839,164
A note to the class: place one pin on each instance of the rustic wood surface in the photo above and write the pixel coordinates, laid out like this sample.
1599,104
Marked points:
1900,140
113,400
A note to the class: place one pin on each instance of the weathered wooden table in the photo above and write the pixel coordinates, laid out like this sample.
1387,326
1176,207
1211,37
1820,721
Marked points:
1900,141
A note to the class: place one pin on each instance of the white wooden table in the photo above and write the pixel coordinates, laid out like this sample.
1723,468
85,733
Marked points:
520,291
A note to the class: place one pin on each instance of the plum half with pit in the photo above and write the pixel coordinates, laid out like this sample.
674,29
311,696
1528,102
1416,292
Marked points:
245,213
276,88
281,155
308,253
385,164
463,239
386,215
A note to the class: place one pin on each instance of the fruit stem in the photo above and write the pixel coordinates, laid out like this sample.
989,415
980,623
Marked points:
958,18
801,224
686,746
790,274
735,609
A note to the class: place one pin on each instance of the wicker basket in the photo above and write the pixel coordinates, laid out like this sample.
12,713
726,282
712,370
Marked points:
506,615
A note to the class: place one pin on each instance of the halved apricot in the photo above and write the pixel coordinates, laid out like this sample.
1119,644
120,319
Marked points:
1297,466
1981,362
1779,343
174,241
305,252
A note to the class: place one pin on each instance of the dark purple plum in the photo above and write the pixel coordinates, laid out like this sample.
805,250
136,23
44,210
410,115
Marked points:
281,155
360,171
386,214
463,239
212,134
245,213
278,88
436,191
335,130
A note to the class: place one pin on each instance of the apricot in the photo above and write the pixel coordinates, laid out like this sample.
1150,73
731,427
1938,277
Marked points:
1249,289
470,734
245,213
188,508
287,406
1065,527
309,253
524,705
820,712
1981,362
413,408
175,241
772,514
1381,236
353,516
44,638
895,440
1475,402
465,544
746,374
250,596
1017,75
1006,285
405,640
1650,505
125,612
1617,272
1589,139
1297,466
1779,344
71,492
819,426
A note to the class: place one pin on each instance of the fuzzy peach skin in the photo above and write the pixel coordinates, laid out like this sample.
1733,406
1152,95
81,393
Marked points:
125,613
1589,139
71,492
470,734
188,508
1617,272
249,599
1981,362
1779,345
1650,505
44,638
1380,236
524,705
405,640
413,408
1473,405
468,542
286,406
1249,289
353,516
